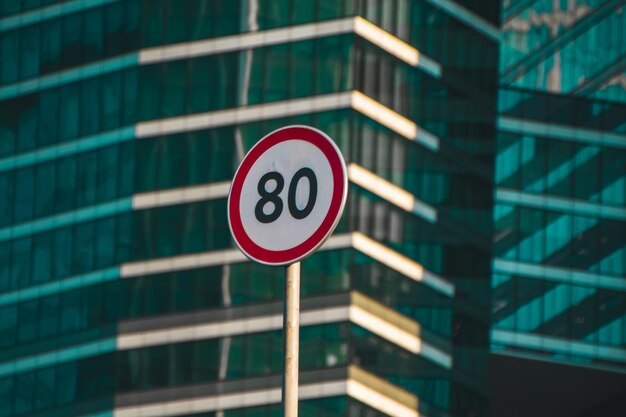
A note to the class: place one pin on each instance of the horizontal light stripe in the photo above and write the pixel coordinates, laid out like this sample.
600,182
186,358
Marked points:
182,262
219,402
229,117
237,42
558,345
228,328
390,192
562,204
430,66
381,187
437,355
468,17
335,101
400,263
358,25
386,41
68,76
376,321
349,386
392,120
378,401
207,259
66,219
404,334
338,241
48,13
181,195
137,202
68,284
356,174
57,357
85,144
570,133
245,41
246,114
356,240
498,349
381,328
395,46
140,268
558,274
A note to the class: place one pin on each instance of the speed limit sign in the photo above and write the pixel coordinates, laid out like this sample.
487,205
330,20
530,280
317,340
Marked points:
287,195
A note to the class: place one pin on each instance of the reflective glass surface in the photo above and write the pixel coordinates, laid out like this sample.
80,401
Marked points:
560,218
74,92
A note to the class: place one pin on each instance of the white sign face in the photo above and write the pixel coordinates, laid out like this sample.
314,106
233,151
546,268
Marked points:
287,195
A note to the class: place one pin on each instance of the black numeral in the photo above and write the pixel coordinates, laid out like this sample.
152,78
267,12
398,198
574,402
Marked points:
291,197
269,197
277,203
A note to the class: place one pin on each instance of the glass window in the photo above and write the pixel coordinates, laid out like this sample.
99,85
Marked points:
9,47
29,52
115,41
45,388
93,34
72,50
174,88
92,117
28,121
41,258
49,317
111,101
177,17
6,391
69,112
23,393
63,246
8,324
149,97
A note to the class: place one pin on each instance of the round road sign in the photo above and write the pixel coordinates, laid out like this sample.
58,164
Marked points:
287,195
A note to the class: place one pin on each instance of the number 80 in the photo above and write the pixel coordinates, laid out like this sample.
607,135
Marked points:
274,198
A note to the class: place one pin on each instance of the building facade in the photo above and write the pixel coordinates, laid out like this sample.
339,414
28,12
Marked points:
121,124
560,217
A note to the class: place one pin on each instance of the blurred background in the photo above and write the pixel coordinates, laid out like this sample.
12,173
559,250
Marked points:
478,269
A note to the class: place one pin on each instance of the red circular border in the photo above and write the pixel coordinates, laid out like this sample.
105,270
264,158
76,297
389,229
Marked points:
330,150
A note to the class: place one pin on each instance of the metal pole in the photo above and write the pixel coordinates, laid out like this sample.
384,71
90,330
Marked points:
291,329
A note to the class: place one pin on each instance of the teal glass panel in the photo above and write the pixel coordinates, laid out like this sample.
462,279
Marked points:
259,354
9,44
518,43
171,230
170,22
67,39
62,280
564,68
111,98
65,252
66,390
612,90
463,51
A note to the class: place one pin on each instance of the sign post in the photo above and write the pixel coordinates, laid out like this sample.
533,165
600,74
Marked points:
291,326
285,200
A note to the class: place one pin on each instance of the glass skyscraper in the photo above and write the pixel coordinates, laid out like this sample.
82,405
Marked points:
560,222
485,142
121,125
